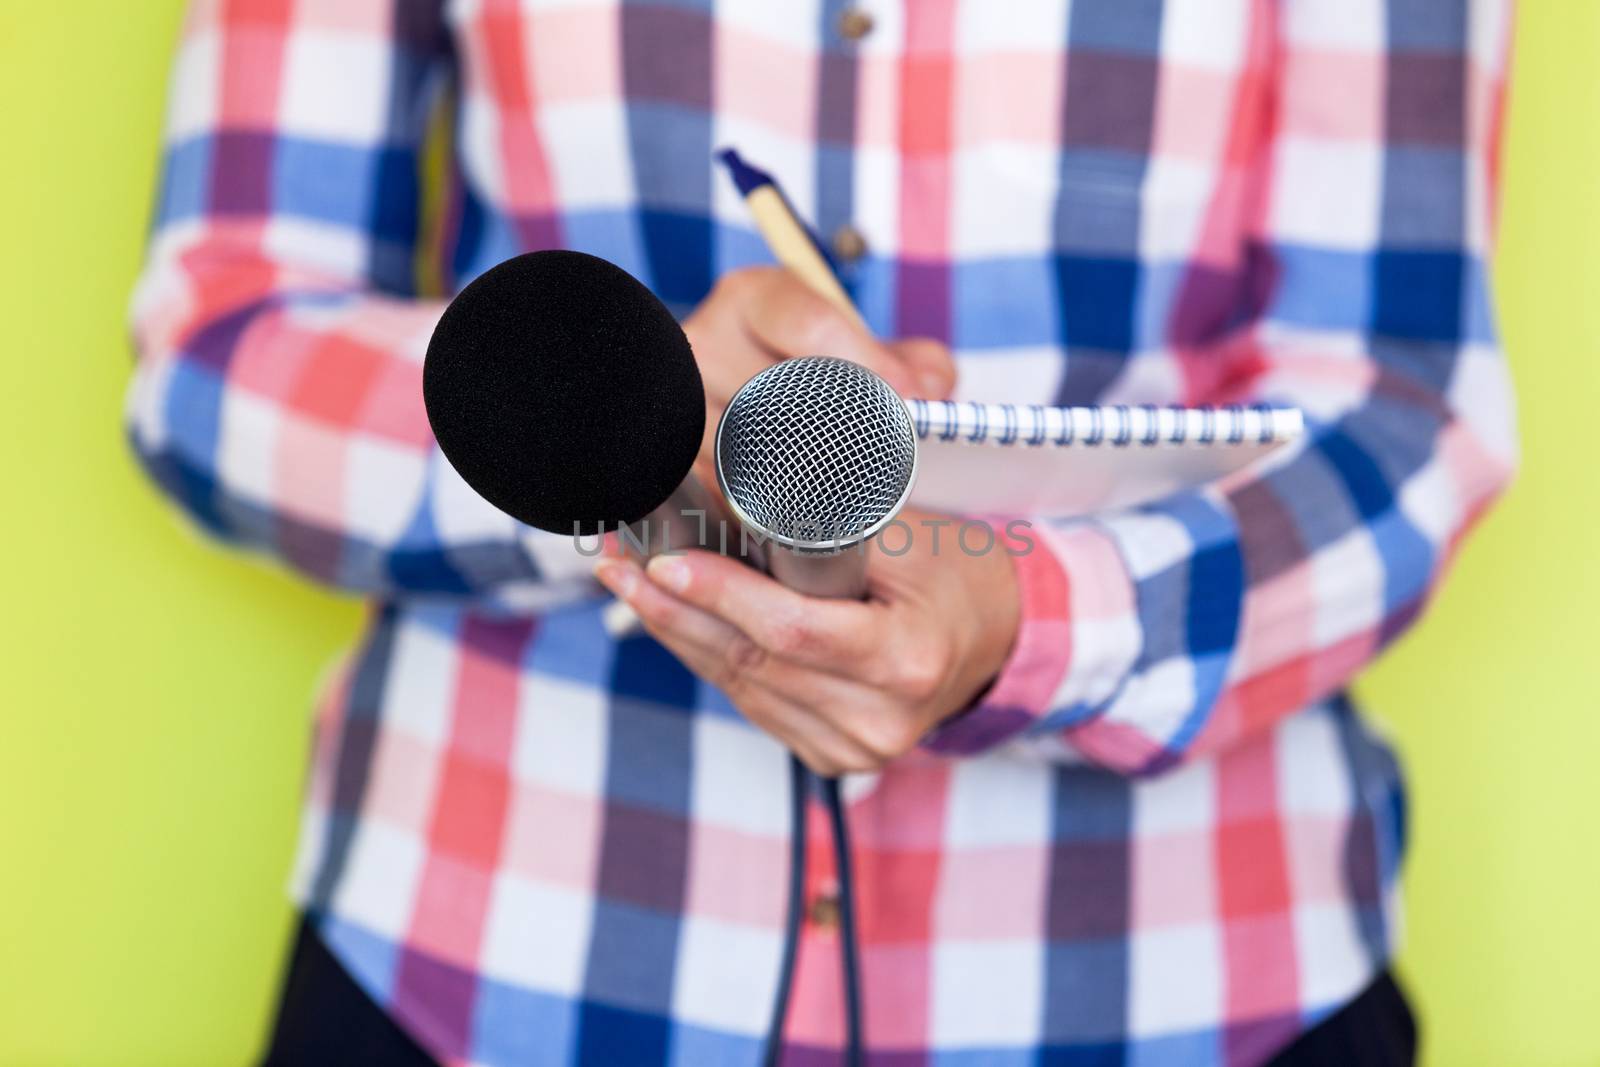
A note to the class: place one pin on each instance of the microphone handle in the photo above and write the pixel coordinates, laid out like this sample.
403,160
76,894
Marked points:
837,575
692,517
695,517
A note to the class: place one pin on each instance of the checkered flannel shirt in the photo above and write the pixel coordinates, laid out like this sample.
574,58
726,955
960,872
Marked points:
1164,836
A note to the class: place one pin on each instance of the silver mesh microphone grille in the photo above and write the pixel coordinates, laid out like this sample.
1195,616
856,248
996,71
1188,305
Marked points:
816,453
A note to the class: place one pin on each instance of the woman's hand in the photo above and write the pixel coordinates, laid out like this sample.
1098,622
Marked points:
847,685
760,315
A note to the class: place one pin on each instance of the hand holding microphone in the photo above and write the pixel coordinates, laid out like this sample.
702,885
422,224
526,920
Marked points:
818,456
848,686
758,316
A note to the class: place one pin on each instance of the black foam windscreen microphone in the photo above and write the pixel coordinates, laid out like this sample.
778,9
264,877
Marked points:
564,393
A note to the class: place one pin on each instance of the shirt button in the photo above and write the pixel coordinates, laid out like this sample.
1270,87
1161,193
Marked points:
824,911
854,24
848,244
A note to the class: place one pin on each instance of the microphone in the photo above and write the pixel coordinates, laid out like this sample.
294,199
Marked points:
815,457
564,393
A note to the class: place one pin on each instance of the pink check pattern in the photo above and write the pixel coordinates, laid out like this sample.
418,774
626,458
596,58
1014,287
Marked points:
1164,836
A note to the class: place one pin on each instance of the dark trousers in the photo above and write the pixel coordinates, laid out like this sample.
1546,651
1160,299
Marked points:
325,1019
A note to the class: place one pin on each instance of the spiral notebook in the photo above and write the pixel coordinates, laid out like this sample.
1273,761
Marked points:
1011,459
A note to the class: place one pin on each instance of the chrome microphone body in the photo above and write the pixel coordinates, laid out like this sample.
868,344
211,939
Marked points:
815,456
692,517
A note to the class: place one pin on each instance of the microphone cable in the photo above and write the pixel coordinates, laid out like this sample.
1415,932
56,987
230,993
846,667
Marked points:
849,949
799,779
849,946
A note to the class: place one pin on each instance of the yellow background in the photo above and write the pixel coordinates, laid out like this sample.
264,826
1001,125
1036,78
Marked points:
155,690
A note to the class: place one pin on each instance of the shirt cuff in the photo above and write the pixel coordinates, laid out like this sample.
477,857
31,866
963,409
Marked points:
1077,638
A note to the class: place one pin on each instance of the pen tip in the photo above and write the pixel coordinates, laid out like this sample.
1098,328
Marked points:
743,174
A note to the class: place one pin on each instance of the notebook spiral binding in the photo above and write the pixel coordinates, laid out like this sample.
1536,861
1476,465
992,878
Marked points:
1119,425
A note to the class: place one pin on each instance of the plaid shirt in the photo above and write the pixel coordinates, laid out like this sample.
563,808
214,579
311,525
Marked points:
1164,837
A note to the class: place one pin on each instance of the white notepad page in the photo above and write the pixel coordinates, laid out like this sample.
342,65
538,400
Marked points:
1017,460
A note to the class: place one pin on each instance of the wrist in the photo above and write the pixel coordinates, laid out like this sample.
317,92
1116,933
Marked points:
993,610
1000,599
1022,591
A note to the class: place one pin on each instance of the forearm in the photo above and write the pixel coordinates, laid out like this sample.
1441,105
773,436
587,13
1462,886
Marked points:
1158,635
281,407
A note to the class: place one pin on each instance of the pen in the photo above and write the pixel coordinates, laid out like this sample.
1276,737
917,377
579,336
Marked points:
786,236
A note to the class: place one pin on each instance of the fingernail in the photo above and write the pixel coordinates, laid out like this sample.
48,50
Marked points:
670,572
933,387
617,576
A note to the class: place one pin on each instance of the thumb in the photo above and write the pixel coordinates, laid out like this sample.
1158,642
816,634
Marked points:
931,366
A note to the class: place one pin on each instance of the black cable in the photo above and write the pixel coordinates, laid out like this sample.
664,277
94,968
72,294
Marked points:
799,780
849,948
